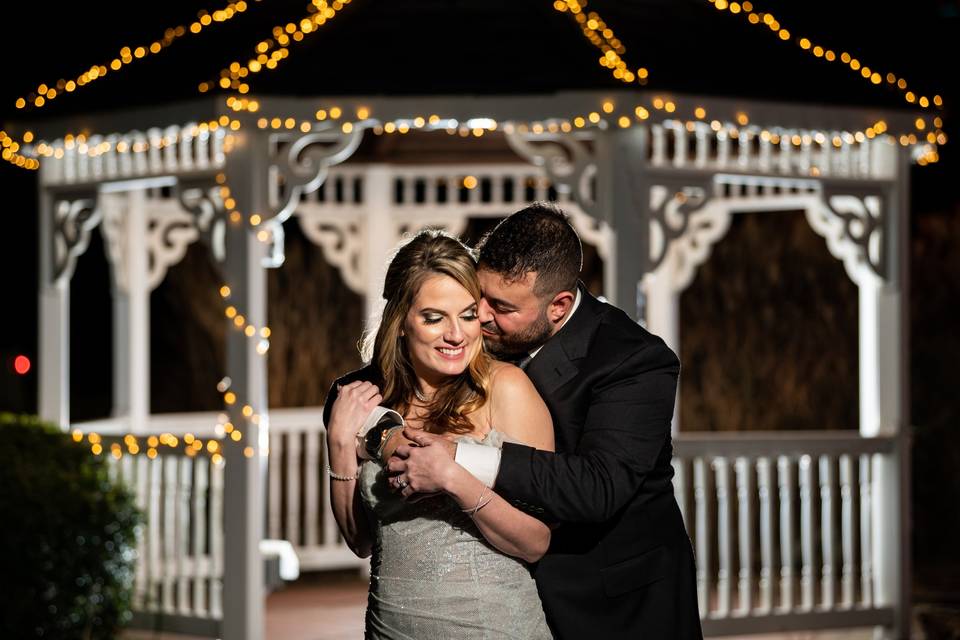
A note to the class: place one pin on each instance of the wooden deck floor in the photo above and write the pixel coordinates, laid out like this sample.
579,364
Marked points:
331,607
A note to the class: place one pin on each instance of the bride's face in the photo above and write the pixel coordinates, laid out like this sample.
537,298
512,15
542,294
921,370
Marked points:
442,329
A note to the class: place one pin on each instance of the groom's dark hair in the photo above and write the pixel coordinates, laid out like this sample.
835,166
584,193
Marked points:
538,238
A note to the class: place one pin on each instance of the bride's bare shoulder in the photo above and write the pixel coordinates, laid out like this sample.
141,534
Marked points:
517,409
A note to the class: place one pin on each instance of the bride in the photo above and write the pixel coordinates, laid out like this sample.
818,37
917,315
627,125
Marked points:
454,565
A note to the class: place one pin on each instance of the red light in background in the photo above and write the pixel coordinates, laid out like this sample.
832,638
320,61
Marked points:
21,364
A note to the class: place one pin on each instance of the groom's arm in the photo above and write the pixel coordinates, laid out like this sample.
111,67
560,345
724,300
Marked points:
626,428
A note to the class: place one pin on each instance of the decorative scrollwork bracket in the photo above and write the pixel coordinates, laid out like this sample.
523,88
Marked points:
74,218
853,226
567,161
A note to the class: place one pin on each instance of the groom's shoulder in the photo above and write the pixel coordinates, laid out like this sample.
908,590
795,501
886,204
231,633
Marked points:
368,373
619,333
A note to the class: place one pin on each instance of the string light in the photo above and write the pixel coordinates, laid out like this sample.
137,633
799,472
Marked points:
11,153
602,37
44,94
855,65
270,52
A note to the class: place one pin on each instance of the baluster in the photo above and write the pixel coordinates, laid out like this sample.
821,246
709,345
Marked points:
765,157
138,147
679,145
292,481
721,470
806,533
805,158
680,488
154,158
201,569
744,536
154,529
702,537
786,153
765,494
841,156
71,162
785,482
743,148
216,540
201,149
828,580
866,537
846,532
274,481
185,146
170,136
658,157
863,159
169,529
182,519
703,145
824,158
217,155
83,161
310,501
141,576
723,149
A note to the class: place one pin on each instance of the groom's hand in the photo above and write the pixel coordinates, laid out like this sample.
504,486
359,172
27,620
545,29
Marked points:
424,466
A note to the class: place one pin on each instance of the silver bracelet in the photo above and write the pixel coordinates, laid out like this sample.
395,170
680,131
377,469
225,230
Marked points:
337,476
481,503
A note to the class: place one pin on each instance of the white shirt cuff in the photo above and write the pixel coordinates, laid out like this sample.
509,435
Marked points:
482,461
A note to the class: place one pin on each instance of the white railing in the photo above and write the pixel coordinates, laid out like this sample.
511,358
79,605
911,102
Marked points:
750,149
136,154
298,493
179,572
782,528
781,522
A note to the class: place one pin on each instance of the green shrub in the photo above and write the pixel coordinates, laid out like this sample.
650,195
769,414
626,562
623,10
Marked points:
67,536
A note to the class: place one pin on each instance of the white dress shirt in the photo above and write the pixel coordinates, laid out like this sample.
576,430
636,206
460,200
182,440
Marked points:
482,461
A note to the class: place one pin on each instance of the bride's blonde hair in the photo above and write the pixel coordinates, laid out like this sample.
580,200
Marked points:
428,253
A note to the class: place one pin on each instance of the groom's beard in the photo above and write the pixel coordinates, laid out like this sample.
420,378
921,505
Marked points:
519,343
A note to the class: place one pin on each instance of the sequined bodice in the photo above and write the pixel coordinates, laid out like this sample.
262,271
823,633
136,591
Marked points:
433,574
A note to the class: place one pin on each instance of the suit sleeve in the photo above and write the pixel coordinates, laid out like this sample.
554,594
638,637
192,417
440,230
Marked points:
626,428
328,403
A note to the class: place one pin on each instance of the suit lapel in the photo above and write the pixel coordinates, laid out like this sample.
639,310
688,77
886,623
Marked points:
558,360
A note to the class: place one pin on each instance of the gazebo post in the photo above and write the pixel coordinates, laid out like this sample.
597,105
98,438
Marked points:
884,401
243,595
54,334
380,237
131,310
619,178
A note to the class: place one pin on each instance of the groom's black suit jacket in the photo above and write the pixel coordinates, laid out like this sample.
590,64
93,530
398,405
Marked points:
620,564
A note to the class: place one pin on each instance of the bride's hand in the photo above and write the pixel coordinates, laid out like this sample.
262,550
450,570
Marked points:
354,403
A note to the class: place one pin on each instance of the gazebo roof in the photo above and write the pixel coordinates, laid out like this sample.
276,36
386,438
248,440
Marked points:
432,47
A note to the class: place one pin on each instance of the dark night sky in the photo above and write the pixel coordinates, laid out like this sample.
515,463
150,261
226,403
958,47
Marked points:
449,46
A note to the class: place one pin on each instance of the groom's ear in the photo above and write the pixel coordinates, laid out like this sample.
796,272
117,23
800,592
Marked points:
560,306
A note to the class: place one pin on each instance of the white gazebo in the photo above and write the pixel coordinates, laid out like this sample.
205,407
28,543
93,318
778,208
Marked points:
792,531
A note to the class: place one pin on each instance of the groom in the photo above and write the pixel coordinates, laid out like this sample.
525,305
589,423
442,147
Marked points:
620,564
